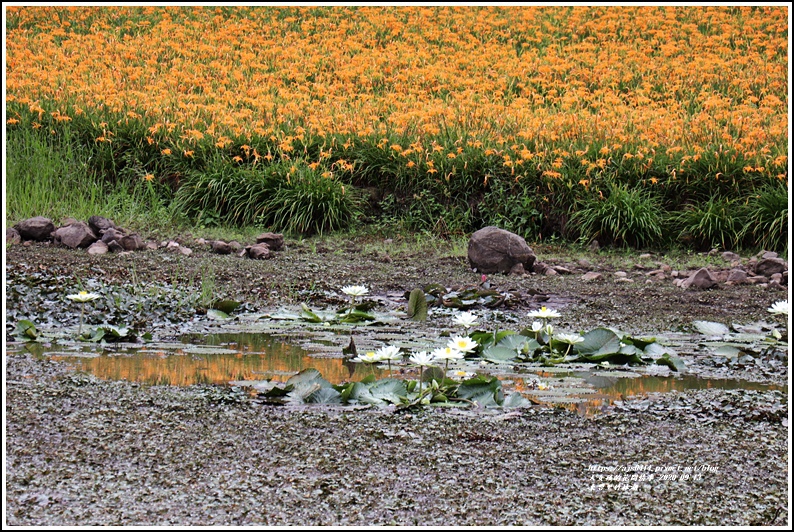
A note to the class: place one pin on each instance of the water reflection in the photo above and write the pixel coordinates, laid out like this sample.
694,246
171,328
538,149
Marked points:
257,357
609,389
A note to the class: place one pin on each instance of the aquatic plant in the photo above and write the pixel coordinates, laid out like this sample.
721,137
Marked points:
82,297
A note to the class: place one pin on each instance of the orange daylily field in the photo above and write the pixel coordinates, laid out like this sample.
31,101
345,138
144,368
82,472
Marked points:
565,95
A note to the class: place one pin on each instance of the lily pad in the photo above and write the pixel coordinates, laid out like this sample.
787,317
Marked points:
711,328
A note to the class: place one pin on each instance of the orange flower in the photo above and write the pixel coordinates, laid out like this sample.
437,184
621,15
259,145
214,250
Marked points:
166,151
148,177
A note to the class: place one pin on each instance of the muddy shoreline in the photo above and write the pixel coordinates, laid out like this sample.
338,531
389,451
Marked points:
82,451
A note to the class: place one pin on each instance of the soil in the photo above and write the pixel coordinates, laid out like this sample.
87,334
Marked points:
81,451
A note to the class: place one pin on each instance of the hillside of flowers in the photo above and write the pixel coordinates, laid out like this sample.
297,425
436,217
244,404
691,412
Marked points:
544,120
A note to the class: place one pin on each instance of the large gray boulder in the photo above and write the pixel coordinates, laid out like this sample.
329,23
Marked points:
494,250
37,228
76,235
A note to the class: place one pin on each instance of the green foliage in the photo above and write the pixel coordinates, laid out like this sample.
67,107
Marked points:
417,305
623,217
767,219
306,202
223,192
717,223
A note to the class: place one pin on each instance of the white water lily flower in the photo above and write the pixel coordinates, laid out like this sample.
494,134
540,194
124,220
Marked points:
779,307
466,319
460,375
543,386
569,338
389,352
355,290
83,297
368,358
447,353
544,313
536,326
464,344
548,329
422,358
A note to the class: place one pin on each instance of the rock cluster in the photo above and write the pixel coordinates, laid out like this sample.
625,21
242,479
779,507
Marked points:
265,244
494,250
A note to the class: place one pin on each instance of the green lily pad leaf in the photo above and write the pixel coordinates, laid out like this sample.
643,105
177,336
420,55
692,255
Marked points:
516,400
655,350
225,305
674,363
639,342
479,385
727,351
435,289
325,396
384,391
432,374
599,341
356,316
630,350
307,314
417,305
516,342
216,314
711,328
26,330
499,354
485,399
309,375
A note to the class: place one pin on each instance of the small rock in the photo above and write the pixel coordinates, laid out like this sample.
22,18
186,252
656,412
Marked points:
730,256
235,245
12,236
386,258
220,247
737,276
77,235
645,256
757,279
675,274
112,233
562,270
274,241
100,224
664,267
701,279
114,246
624,280
172,245
769,266
584,263
200,241
37,228
258,251
151,245
776,277
518,269
620,275
98,248
132,242
592,276
185,251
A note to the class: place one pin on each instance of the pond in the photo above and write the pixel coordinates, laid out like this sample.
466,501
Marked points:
226,358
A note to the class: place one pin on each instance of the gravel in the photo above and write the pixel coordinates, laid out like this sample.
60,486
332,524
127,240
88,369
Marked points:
82,451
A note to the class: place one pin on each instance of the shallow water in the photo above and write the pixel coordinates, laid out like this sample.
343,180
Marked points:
231,357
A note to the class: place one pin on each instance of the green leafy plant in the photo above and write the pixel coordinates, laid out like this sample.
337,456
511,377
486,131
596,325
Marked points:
623,217
767,219
309,201
719,222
